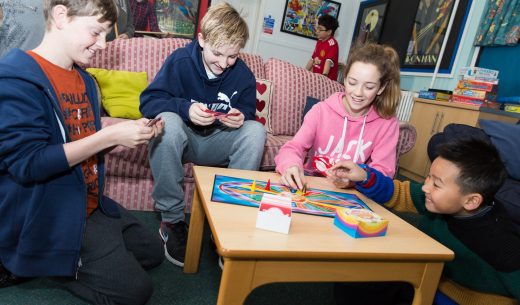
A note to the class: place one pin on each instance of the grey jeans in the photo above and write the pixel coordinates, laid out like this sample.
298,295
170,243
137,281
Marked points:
240,148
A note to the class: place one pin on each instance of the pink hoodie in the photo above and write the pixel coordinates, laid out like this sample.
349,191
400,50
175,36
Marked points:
329,131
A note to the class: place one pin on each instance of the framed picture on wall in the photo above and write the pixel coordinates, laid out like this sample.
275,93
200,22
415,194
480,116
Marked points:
171,18
301,16
370,19
427,35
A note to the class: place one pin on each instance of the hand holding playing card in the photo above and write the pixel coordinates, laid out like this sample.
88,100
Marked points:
199,116
233,119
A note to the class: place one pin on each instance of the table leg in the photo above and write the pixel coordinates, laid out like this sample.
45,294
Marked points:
425,293
191,262
236,282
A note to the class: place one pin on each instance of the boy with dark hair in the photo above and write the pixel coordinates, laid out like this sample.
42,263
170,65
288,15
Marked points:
55,220
324,59
207,97
457,208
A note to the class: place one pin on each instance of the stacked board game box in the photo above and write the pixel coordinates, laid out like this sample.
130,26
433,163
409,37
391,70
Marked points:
477,86
435,94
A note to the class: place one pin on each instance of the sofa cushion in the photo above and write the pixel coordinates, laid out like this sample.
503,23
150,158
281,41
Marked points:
255,63
120,91
263,102
311,101
292,85
271,148
136,54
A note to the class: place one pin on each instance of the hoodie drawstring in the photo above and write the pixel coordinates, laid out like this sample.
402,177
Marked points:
356,155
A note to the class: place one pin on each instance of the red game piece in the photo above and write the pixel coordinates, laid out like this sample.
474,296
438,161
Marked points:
268,185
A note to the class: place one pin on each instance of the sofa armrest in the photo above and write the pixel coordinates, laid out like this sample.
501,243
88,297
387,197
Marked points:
406,140
407,137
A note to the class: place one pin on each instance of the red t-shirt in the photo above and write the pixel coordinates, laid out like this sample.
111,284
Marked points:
326,49
79,117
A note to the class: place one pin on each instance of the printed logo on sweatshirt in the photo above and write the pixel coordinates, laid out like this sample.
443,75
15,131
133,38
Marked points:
225,106
352,152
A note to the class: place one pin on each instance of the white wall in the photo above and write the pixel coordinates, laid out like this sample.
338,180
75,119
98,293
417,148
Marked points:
294,49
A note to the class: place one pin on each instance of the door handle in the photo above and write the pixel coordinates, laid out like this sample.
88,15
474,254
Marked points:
434,125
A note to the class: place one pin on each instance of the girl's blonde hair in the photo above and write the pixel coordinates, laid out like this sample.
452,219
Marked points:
386,60
223,25
106,8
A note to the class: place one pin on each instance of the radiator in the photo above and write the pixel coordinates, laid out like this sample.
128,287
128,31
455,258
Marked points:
404,110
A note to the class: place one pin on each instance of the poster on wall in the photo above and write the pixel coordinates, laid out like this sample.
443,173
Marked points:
428,32
167,18
369,22
301,16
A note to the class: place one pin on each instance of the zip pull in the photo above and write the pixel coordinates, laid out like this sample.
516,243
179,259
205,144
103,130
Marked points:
80,264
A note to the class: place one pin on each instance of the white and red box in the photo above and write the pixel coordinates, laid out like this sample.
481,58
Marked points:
274,213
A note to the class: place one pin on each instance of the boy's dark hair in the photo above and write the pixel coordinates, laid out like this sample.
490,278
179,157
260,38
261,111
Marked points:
481,169
329,22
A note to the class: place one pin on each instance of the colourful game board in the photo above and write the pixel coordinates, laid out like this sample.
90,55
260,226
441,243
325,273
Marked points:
249,193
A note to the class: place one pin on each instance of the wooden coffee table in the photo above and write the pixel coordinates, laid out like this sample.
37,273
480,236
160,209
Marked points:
314,250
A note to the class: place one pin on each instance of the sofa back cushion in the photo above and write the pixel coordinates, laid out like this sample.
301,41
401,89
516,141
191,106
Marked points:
291,86
145,54
255,63
137,54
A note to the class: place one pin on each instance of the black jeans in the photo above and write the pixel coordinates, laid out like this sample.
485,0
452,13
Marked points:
115,253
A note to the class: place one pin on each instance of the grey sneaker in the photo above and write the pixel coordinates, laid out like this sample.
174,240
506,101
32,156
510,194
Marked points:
175,237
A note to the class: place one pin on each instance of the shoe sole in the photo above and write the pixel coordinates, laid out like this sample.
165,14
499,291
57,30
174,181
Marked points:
221,262
167,255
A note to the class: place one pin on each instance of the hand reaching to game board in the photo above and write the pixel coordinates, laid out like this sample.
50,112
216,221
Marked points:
200,116
294,177
345,173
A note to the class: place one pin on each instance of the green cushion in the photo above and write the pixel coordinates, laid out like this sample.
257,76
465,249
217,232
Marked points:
120,91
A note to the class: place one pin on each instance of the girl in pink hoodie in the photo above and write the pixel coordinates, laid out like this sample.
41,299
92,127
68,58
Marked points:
358,124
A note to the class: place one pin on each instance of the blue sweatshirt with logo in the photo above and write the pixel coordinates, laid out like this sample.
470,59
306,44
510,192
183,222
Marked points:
43,201
182,81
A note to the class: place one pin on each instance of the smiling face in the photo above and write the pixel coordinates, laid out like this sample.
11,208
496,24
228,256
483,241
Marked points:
443,194
84,36
218,59
362,85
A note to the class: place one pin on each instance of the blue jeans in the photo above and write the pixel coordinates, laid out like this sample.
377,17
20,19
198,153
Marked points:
240,148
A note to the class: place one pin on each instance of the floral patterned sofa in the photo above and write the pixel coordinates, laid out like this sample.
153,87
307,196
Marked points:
282,89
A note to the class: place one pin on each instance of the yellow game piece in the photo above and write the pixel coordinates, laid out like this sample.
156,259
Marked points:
253,186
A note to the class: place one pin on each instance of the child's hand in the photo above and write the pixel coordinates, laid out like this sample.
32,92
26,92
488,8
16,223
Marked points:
132,133
293,177
233,119
347,169
345,173
199,116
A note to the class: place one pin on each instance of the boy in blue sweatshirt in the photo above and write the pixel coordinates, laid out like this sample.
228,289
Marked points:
55,220
206,96
457,208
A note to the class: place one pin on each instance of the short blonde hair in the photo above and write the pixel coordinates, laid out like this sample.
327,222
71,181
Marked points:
223,25
106,8
386,59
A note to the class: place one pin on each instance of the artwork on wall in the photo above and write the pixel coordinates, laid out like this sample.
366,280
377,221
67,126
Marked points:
428,32
174,18
370,19
301,16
